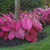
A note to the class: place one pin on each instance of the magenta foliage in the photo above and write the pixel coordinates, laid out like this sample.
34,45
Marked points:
27,26
43,13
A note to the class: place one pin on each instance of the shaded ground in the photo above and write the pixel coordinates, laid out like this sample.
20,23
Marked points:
41,45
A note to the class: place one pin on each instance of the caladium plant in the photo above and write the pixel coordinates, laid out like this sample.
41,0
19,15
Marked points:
27,25
43,13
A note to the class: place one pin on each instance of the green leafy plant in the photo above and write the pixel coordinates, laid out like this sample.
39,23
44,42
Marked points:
9,5
6,5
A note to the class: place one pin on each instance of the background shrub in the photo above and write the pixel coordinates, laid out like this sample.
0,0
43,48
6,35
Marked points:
31,4
8,5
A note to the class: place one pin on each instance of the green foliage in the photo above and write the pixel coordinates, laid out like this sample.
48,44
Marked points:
31,4
47,30
6,5
9,5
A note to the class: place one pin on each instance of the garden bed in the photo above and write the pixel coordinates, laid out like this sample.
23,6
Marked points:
16,42
28,28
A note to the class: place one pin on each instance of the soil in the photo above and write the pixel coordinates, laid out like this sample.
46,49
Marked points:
8,43
41,36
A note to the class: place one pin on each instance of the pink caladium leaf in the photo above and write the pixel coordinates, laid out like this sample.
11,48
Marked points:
24,23
1,21
34,33
11,35
8,15
37,25
12,15
20,34
29,23
5,38
7,27
1,34
4,28
28,37
4,15
18,25
13,24
32,36
9,19
5,35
